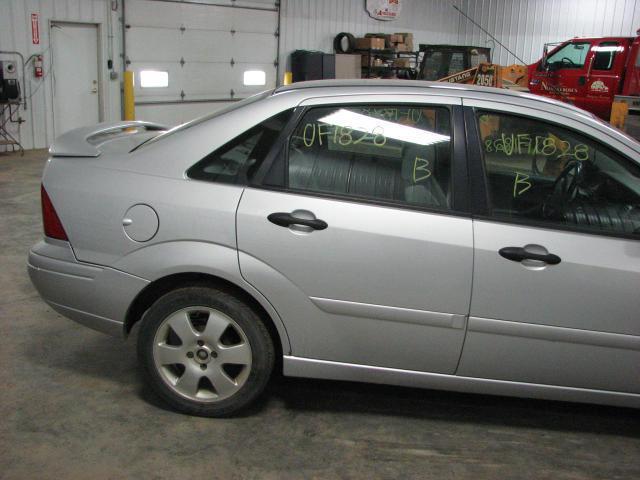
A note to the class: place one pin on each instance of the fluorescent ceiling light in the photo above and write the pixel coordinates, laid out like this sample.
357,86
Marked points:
396,131
154,79
255,77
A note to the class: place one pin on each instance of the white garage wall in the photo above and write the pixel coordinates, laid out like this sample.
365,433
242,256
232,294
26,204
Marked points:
312,24
524,26
15,35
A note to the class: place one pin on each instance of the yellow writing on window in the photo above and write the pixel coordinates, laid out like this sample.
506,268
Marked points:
527,144
321,134
420,169
521,184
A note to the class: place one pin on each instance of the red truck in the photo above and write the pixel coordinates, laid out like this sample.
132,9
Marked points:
589,72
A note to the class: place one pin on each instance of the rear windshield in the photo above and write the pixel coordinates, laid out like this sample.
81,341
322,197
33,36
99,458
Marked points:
199,120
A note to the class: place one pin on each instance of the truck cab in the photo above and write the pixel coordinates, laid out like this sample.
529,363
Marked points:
588,72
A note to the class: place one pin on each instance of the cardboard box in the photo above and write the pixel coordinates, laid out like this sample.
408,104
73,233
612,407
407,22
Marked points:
402,62
348,66
370,43
402,47
407,40
387,39
397,38
373,61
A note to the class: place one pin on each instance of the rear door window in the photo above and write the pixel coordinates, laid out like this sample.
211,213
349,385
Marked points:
393,153
604,55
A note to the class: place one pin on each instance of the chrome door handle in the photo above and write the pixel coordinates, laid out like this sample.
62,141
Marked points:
284,219
517,254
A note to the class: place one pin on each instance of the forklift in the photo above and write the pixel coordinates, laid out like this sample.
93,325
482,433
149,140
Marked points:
442,61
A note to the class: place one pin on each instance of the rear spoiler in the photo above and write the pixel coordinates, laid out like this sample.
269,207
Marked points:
85,141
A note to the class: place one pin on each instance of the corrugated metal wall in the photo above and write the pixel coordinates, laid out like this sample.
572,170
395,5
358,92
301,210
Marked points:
15,34
524,26
312,24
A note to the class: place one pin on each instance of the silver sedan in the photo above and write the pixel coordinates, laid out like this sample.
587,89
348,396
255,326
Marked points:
406,233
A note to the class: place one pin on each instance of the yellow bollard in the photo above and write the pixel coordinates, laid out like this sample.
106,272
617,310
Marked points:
129,105
288,78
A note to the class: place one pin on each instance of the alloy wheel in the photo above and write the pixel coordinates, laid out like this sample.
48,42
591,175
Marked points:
202,354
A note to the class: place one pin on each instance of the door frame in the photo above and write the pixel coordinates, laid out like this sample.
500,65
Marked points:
459,160
521,337
363,309
100,67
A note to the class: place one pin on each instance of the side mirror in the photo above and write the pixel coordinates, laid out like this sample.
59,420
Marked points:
543,61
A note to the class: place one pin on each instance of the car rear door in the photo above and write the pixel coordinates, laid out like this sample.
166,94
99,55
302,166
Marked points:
606,69
557,253
358,235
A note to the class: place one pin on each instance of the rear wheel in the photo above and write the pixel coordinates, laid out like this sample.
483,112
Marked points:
204,351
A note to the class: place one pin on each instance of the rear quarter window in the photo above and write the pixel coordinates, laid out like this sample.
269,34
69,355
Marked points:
237,161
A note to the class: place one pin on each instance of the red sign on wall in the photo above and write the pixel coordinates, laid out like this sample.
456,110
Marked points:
35,29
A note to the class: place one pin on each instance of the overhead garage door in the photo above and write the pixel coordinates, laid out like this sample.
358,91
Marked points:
190,58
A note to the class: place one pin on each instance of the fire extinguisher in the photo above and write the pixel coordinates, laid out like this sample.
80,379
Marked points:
37,66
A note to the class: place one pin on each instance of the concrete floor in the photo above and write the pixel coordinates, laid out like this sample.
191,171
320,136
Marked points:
73,407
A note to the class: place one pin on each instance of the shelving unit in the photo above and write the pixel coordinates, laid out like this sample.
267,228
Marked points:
388,55
7,112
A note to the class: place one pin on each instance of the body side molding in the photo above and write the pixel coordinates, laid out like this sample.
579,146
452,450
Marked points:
313,368
391,314
554,334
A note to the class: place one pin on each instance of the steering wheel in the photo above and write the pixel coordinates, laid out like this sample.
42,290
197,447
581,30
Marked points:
565,188
568,60
534,164
566,185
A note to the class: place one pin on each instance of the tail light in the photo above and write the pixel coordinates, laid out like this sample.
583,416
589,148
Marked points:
52,226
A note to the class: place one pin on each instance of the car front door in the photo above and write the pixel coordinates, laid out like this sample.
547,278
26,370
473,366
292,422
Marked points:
358,236
563,74
557,254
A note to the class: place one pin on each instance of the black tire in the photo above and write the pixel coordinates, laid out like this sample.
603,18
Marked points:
262,349
337,43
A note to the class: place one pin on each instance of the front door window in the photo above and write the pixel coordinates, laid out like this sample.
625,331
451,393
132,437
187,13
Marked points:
572,55
539,172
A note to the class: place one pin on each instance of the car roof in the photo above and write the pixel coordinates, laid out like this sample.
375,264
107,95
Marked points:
590,39
330,87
